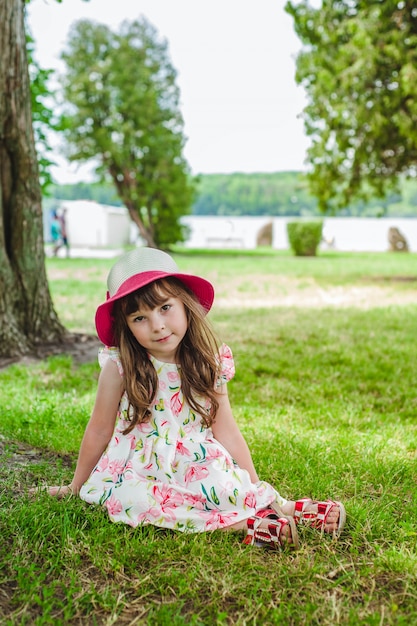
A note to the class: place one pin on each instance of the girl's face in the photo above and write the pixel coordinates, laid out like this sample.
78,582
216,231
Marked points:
160,329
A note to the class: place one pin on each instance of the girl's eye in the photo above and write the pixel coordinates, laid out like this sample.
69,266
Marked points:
139,318
166,307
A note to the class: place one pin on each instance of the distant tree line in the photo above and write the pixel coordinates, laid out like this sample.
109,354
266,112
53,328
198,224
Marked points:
103,193
279,193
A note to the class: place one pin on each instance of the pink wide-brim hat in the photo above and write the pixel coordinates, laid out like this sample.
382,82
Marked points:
137,269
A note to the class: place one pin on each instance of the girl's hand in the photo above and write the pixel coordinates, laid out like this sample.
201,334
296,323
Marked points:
60,491
57,491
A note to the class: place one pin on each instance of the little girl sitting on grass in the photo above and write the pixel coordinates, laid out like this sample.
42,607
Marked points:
162,446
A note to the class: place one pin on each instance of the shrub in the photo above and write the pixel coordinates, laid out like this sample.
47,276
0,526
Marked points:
304,237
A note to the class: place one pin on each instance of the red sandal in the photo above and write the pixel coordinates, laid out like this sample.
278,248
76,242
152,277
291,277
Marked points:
271,536
317,519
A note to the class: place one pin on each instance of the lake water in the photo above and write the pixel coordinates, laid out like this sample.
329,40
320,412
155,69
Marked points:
91,225
341,233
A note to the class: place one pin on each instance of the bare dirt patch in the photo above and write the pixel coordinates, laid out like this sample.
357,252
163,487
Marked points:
21,456
292,292
83,349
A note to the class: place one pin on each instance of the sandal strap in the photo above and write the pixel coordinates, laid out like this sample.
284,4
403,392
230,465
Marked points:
317,519
267,513
271,535
300,515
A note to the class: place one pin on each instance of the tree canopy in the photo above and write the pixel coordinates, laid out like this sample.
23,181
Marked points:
359,69
123,109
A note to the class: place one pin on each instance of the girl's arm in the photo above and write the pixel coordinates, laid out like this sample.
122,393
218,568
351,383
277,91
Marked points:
227,432
99,428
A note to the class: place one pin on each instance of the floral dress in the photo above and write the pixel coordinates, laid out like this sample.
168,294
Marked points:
171,471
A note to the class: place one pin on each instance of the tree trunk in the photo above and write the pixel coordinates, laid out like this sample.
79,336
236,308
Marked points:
122,187
27,316
144,232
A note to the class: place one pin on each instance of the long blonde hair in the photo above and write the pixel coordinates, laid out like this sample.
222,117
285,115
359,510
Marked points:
197,354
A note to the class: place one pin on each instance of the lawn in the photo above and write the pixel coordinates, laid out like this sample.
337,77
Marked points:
326,396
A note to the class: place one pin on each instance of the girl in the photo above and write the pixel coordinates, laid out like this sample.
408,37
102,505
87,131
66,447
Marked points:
162,446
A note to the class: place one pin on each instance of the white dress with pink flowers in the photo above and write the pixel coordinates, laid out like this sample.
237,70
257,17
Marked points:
171,471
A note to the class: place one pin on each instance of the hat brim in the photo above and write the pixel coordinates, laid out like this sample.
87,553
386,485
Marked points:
201,287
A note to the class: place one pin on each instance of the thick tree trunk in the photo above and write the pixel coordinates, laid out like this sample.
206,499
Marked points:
27,316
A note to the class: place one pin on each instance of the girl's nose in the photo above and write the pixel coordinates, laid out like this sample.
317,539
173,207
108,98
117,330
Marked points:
157,322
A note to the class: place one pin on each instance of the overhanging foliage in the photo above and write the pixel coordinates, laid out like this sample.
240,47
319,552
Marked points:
359,69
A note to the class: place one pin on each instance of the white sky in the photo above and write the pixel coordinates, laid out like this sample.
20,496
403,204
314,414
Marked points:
236,64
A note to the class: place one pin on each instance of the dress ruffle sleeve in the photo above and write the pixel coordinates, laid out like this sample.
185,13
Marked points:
104,354
227,365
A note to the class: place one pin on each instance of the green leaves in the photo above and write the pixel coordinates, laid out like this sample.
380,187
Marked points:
123,108
358,67
43,117
304,236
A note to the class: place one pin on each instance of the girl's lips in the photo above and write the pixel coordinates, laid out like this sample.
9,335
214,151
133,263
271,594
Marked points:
163,339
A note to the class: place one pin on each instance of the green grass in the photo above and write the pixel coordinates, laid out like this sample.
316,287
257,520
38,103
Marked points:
327,400
78,285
